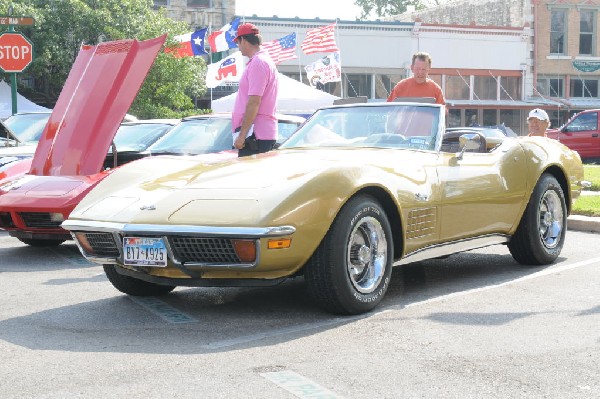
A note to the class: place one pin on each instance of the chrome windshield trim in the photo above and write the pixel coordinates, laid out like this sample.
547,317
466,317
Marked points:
157,229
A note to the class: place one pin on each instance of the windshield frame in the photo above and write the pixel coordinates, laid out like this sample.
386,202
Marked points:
401,125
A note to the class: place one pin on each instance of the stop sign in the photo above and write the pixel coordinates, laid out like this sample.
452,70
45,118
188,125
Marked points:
16,52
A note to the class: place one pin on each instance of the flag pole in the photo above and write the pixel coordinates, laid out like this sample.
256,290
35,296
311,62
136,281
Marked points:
337,40
299,66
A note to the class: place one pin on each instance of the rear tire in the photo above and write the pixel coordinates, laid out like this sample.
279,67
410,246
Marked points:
350,271
541,233
133,286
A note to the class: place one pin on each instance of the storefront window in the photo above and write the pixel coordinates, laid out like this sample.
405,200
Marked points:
510,88
358,85
551,86
485,88
385,83
584,87
489,117
513,119
457,87
471,118
453,118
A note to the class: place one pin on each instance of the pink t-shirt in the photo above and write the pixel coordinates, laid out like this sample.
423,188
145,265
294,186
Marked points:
259,79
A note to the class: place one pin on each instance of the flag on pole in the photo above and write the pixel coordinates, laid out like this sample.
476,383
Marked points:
327,69
320,40
222,40
190,44
229,69
282,49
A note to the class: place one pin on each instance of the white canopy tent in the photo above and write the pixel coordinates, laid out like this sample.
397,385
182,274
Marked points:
23,104
293,98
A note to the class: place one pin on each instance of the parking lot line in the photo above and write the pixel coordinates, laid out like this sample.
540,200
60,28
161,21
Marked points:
299,385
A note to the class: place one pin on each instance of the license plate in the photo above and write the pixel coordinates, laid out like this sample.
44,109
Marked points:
144,251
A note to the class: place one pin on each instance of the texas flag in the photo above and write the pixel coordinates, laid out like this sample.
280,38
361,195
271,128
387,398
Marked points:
229,69
191,44
222,40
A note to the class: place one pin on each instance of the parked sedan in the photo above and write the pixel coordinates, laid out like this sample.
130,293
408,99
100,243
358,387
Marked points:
355,190
20,134
33,207
211,133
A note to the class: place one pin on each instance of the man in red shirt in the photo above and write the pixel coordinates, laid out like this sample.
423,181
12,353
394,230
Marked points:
418,85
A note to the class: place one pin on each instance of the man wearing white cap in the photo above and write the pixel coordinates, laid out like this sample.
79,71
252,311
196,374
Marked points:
538,121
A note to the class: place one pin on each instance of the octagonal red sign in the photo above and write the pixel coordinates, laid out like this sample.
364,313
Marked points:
16,52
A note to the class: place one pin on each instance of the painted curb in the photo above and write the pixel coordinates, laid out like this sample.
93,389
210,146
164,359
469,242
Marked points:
583,223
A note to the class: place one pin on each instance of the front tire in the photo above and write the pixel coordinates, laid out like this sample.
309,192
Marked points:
350,271
133,286
40,242
541,233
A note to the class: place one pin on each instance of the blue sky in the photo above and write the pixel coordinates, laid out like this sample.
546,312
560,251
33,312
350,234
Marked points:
324,9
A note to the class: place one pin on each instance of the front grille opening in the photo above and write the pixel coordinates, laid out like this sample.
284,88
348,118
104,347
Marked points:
204,250
6,220
41,220
98,244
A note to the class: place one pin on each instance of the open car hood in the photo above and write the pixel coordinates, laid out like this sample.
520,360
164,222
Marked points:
101,86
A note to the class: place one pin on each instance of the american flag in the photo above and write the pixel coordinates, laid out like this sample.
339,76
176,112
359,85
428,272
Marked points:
282,49
320,40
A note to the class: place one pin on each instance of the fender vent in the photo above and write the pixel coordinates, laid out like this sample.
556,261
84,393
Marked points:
421,223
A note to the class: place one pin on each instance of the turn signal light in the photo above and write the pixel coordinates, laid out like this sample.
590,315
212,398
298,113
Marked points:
245,250
85,244
279,243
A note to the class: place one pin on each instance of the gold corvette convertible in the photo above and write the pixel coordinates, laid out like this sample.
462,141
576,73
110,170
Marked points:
356,190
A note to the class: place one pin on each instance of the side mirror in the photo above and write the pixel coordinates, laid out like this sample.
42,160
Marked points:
468,142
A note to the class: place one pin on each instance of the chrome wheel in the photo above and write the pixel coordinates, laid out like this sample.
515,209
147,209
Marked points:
551,219
367,255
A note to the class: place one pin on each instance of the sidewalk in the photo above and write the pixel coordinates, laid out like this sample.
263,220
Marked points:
584,223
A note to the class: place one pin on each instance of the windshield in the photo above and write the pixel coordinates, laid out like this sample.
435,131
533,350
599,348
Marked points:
27,127
384,126
139,136
196,136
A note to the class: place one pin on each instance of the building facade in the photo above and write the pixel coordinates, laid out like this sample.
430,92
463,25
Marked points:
492,65
199,13
563,70
481,69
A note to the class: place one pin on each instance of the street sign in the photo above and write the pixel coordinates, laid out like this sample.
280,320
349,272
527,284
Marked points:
16,52
10,20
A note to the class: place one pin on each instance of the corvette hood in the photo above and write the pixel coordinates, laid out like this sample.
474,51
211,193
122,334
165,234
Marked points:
100,88
167,184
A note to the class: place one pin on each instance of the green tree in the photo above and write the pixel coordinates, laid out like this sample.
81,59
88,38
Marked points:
386,8
62,26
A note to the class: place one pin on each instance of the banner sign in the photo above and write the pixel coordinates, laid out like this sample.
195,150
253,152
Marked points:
327,69
586,66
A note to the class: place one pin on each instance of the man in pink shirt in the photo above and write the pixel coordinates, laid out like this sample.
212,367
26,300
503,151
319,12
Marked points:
253,120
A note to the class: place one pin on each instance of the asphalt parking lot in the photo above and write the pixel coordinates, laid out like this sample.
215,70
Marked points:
473,325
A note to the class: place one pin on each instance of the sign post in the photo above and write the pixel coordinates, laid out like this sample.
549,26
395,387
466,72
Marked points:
16,51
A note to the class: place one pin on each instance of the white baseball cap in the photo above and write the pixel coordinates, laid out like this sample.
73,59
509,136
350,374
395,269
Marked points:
539,114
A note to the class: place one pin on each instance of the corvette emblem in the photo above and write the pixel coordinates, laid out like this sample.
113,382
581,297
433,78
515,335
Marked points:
148,208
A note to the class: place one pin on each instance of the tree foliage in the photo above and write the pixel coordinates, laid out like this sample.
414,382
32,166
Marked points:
387,8
62,26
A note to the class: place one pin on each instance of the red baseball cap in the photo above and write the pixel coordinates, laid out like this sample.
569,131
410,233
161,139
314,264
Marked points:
246,29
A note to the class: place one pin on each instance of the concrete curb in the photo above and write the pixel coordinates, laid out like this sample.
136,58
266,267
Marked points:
583,223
